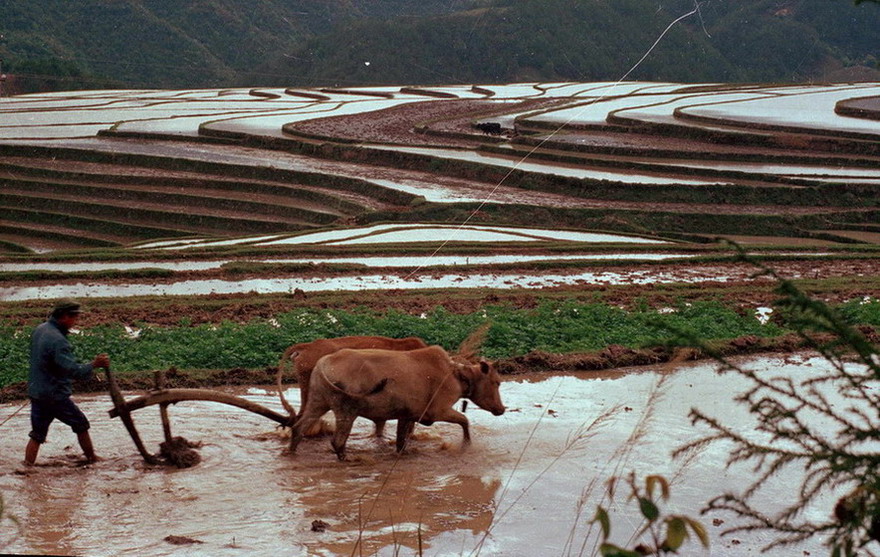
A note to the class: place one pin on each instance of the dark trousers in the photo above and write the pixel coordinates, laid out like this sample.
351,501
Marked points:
43,412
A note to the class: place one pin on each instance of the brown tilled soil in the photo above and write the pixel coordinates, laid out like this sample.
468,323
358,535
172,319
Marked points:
399,124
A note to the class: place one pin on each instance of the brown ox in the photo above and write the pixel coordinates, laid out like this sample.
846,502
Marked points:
306,354
414,386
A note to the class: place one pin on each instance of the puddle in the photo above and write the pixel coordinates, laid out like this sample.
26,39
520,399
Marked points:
799,171
420,279
515,491
595,112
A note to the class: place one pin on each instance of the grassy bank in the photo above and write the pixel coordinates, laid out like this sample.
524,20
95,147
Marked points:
558,327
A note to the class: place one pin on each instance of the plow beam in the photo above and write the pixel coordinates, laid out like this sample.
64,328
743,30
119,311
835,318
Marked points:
173,396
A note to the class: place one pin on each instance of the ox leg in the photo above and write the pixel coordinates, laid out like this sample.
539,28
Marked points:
344,422
380,427
404,430
456,417
308,417
315,427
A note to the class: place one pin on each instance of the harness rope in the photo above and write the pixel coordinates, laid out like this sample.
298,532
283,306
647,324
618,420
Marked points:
20,408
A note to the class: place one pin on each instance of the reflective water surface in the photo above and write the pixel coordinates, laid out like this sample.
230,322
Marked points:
528,485
413,281
368,261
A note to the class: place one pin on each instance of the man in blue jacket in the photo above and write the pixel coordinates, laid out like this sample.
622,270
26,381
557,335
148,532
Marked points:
53,368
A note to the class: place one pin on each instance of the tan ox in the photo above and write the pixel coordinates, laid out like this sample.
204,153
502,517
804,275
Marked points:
306,354
414,386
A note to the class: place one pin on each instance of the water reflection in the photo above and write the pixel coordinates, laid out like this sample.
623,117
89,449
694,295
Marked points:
545,168
57,519
393,508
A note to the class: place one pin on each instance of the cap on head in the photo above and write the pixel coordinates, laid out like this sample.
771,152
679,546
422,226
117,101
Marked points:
66,306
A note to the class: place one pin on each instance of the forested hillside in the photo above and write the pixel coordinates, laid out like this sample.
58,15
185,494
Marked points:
514,40
57,44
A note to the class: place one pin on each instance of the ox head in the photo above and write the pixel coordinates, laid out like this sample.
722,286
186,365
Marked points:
481,385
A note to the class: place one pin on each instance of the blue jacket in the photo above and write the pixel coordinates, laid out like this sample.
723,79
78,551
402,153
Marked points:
53,366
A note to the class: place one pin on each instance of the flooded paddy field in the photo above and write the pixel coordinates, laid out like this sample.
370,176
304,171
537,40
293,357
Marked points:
556,169
528,484
367,261
632,275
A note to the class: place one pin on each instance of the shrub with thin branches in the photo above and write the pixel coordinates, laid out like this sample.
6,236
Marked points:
824,426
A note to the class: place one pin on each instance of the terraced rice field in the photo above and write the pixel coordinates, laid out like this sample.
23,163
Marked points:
582,169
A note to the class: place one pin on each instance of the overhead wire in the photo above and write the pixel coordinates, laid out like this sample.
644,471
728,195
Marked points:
550,136
487,199
476,551
19,409
538,145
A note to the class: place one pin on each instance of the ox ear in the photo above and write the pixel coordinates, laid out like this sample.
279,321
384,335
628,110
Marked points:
484,366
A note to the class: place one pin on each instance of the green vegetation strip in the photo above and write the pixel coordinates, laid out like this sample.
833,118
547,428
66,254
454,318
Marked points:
12,247
551,326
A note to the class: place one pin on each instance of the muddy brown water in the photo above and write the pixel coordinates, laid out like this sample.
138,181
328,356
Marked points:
528,485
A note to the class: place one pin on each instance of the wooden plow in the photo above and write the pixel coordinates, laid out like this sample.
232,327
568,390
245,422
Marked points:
177,450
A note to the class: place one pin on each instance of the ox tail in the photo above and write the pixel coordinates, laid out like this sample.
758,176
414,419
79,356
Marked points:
283,365
470,347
